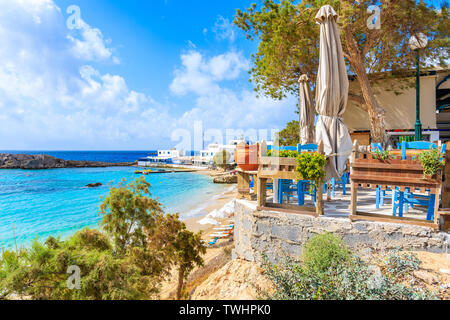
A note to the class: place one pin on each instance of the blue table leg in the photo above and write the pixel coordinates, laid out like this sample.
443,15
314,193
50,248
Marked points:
333,187
280,191
430,212
344,184
400,203
394,202
378,196
301,193
314,195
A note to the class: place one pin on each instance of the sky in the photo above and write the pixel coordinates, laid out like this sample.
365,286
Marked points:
127,75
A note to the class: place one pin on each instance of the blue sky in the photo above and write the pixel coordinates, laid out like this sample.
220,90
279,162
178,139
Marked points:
127,75
132,75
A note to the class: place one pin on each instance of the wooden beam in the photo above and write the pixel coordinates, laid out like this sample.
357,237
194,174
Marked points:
291,207
389,219
353,198
445,191
354,186
293,211
243,185
436,208
261,192
319,188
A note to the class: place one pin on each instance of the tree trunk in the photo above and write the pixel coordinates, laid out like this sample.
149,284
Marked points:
376,113
180,282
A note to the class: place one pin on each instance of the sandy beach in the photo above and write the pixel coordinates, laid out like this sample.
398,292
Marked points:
213,253
193,223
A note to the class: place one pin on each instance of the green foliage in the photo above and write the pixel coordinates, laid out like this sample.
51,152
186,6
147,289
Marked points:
432,162
182,247
221,159
381,155
322,252
127,210
337,276
288,39
290,136
127,259
284,154
310,166
41,271
402,263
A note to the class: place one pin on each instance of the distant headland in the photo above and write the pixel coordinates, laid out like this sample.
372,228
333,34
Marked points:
43,161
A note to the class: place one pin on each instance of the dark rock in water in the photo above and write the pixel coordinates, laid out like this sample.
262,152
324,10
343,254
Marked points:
94,185
43,161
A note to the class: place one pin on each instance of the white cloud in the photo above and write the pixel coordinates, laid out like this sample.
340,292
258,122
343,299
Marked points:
53,96
224,29
200,75
91,46
219,106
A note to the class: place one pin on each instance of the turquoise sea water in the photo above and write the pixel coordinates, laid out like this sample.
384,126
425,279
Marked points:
56,202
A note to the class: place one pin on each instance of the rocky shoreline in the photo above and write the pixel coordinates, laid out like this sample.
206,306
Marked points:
43,161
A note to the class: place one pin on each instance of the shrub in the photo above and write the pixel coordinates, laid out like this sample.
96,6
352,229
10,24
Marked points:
324,251
402,263
310,166
334,274
221,159
431,162
127,259
283,153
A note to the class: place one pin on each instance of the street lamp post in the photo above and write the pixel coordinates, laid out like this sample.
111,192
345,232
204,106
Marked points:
416,43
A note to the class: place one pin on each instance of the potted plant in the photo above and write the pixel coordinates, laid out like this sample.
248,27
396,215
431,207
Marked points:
432,163
381,155
310,166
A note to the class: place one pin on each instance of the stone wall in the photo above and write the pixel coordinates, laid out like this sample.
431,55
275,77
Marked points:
278,234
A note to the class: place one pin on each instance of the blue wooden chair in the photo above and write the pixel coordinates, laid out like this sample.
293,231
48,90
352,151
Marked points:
376,147
281,148
419,145
403,200
307,148
287,187
381,195
304,185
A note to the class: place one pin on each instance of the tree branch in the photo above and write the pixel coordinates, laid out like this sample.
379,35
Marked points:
358,99
346,55
372,36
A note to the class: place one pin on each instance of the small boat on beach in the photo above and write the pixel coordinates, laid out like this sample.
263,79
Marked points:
150,171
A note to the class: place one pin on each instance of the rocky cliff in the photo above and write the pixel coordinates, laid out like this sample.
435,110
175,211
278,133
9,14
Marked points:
42,161
237,280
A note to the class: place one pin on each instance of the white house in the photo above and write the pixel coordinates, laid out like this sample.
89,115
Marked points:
206,156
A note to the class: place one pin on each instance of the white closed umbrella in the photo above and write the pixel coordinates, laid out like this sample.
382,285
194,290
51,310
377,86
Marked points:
332,94
306,112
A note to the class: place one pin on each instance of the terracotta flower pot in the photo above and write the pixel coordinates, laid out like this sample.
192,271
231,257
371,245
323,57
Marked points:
246,157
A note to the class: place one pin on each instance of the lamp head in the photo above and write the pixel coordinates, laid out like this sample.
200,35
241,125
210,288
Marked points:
418,41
